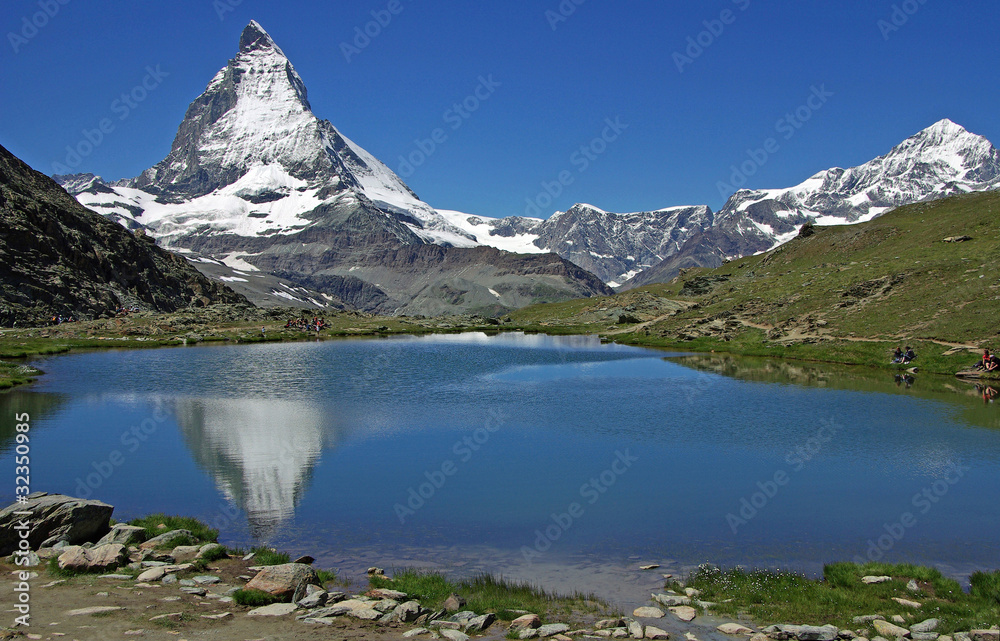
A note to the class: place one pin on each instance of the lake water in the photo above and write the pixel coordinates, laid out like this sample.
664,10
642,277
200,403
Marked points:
554,459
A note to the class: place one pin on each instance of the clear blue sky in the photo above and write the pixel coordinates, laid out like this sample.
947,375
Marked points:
556,86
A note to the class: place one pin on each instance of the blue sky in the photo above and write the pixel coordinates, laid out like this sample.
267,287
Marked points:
559,71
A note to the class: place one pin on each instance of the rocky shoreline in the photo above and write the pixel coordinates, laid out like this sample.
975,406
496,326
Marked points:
76,564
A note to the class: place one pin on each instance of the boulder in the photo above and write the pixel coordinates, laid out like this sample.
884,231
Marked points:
98,559
415,632
655,633
985,635
166,540
125,534
635,629
818,633
53,518
281,580
648,612
528,633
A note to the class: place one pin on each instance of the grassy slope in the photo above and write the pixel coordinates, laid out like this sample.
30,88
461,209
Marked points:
893,280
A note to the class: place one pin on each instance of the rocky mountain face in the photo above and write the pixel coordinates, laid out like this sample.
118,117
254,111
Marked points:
939,161
254,180
57,257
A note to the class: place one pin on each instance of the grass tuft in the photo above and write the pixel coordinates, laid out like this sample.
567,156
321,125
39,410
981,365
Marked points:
254,598
201,531
773,596
488,593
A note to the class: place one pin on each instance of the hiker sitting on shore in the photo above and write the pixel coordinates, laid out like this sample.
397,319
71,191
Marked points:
990,362
897,356
909,355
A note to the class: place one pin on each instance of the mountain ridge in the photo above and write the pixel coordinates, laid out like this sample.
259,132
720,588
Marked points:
251,166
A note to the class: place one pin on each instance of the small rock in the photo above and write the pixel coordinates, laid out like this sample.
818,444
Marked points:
528,633
912,586
693,593
313,600
152,574
619,633
526,622
924,636
734,629
206,579
373,571
164,540
875,579
760,636
273,610
453,603
671,600
97,609
124,534
607,624
928,625
454,635
648,612
221,615
366,614
906,602
552,629
992,634
635,629
478,624
385,593
886,629
684,612
415,632
868,618
649,567
183,553
169,579
213,549
305,560
408,612
897,618
655,633
194,591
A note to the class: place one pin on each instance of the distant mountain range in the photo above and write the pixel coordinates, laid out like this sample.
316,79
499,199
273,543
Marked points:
257,185
255,181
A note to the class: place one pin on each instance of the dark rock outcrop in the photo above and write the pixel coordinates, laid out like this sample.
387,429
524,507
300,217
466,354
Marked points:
54,518
59,258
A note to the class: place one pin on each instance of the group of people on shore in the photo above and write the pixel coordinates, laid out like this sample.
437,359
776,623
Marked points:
988,363
314,324
903,357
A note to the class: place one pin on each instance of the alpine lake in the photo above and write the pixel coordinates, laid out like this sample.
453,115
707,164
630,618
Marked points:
558,460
